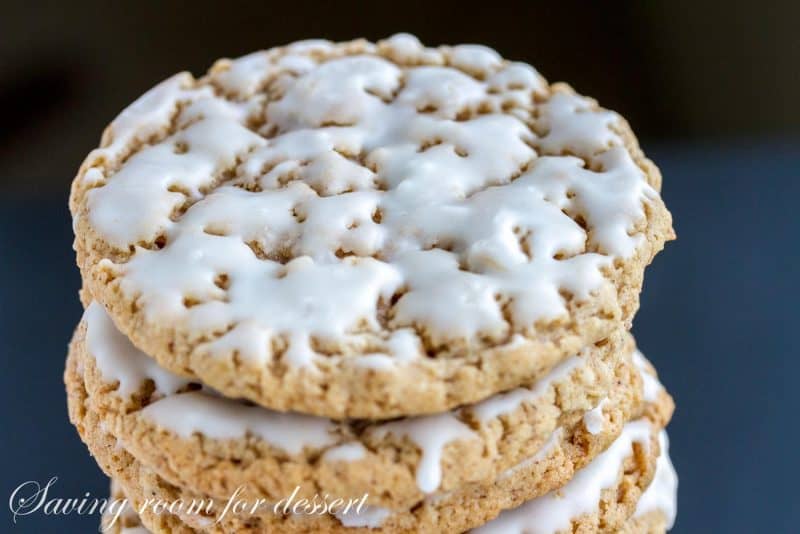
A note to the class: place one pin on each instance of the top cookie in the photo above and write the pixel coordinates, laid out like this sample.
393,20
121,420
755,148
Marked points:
366,230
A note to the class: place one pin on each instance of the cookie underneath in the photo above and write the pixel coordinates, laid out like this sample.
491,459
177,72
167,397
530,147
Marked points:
580,408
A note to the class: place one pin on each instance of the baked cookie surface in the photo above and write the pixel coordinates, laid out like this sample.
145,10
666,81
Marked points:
590,502
597,494
363,230
606,491
616,492
655,521
192,437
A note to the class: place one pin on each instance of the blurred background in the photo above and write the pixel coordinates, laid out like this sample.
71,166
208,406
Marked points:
711,88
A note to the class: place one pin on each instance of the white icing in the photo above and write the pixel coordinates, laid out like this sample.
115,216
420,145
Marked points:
505,403
221,418
403,347
347,452
594,419
145,117
475,58
431,433
118,360
244,75
142,183
460,230
575,124
652,387
406,48
367,517
662,494
196,411
554,511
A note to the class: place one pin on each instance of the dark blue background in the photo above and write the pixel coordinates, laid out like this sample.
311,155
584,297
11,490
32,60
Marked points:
719,319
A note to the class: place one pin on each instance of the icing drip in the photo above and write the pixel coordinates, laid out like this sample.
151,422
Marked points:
367,517
554,511
117,359
431,434
662,494
593,419
347,452
652,387
196,411
221,418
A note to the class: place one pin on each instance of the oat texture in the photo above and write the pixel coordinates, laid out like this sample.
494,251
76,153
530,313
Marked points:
464,508
499,433
361,230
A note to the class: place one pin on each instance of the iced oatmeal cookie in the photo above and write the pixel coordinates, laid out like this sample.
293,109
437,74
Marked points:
604,492
361,230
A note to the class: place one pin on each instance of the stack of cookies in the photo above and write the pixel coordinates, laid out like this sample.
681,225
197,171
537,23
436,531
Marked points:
369,287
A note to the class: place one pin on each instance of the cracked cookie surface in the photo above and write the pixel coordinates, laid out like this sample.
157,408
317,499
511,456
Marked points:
363,230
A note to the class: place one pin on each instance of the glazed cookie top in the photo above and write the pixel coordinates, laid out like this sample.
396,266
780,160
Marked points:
321,207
